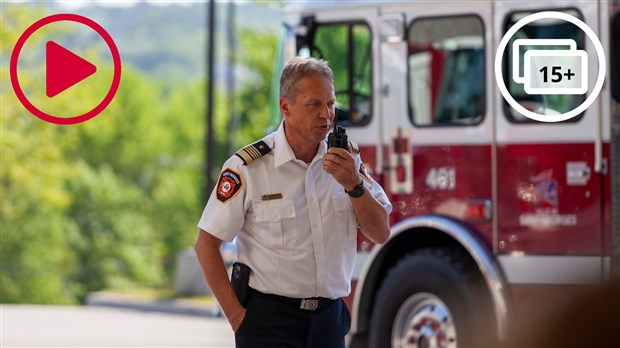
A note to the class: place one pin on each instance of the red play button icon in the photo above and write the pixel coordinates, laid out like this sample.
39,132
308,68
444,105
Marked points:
63,69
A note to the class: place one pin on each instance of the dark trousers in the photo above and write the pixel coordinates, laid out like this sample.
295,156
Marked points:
271,323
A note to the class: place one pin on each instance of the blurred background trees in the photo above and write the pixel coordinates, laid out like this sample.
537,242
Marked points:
108,203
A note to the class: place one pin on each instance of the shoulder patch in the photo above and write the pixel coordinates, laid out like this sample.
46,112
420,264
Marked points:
365,175
253,152
228,185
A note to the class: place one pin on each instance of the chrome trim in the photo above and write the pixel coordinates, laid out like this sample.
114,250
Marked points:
362,279
521,268
478,251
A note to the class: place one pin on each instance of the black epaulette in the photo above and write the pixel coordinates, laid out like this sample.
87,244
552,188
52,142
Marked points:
354,147
253,152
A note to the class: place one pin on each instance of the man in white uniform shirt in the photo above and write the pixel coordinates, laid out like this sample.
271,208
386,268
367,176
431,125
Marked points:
294,206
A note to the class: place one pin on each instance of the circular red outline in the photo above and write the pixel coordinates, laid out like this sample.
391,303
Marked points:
116,58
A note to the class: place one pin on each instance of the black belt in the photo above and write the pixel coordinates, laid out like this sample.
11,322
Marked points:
308,304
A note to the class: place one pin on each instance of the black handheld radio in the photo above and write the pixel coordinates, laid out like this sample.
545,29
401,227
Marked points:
338,138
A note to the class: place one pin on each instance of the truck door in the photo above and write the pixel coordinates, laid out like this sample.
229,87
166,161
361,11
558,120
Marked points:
549,175
436,116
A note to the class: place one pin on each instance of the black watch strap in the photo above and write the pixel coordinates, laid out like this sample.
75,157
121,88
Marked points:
357,191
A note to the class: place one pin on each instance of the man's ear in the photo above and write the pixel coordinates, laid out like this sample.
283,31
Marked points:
284,107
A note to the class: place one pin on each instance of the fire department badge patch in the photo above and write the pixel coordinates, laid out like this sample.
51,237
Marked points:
228,185
364,174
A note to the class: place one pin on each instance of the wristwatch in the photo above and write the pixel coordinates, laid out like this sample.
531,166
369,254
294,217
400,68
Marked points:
357,191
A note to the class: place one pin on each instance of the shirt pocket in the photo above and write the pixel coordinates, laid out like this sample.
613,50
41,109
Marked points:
346,222
276,220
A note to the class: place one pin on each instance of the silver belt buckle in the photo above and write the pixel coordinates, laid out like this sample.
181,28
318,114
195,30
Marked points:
309,305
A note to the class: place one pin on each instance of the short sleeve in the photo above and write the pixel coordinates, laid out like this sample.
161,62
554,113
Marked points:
224,214
379,194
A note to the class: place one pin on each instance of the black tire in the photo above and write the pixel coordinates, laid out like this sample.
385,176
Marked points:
431,298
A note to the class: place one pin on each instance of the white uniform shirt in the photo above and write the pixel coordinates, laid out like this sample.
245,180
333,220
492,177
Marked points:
294,225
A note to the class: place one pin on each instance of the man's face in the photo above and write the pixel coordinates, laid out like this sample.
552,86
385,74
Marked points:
309,115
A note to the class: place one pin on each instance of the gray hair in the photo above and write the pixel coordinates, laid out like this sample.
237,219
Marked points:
299,68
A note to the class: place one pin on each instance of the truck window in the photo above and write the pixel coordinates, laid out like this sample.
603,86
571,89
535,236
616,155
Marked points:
446,71
544,104
615,57
347,48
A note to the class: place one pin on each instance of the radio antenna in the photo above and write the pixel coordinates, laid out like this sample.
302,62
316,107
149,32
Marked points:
336,112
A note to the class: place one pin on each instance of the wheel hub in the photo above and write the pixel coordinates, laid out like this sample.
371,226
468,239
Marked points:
424,321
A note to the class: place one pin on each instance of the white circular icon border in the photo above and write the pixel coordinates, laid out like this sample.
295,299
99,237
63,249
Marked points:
602,67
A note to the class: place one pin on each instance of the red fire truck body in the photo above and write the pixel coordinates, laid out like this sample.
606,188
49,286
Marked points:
495,216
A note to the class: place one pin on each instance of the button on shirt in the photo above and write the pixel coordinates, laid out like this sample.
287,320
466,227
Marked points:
294,225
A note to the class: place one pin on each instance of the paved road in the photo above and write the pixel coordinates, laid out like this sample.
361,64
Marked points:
86,326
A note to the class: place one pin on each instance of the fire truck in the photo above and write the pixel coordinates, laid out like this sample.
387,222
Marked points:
497,218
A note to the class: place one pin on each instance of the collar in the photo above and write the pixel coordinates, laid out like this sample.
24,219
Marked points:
283,152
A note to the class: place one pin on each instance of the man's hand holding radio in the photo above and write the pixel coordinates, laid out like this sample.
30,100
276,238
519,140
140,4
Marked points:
341,164
339,161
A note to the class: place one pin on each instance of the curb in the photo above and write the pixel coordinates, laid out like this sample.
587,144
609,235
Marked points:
185,307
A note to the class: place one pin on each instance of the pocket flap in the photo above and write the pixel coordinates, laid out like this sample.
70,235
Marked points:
274,210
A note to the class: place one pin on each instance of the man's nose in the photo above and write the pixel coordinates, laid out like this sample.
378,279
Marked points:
326,112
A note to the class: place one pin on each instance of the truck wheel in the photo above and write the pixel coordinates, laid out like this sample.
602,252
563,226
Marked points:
428,300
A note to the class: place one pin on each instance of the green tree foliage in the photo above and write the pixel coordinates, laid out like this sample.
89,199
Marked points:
257,51
35,232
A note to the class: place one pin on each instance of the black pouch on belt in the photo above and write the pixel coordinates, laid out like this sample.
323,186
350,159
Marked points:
240,279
